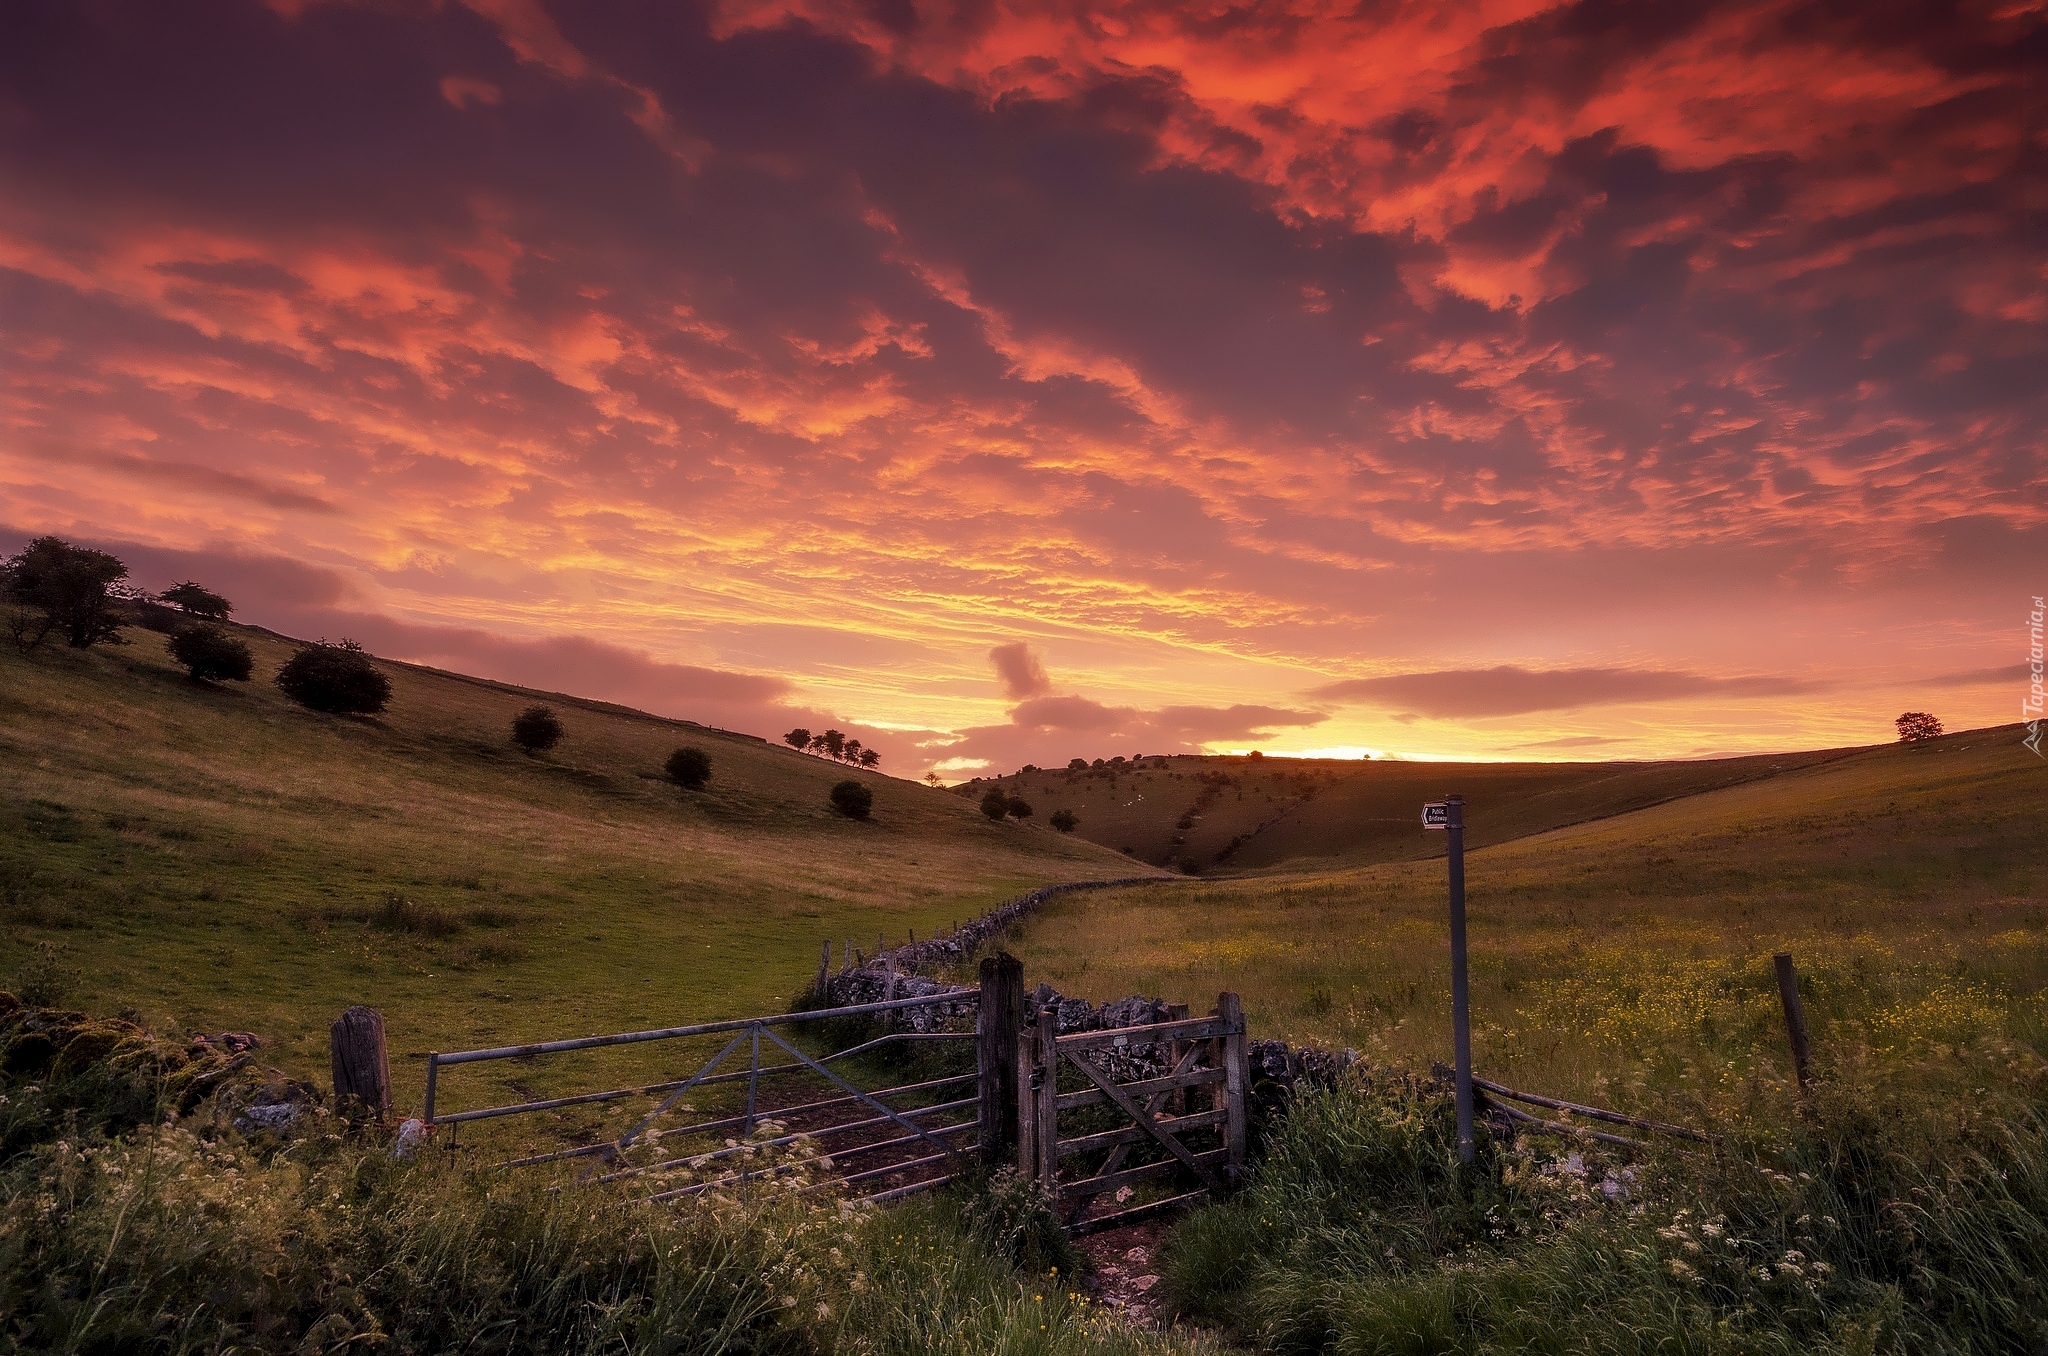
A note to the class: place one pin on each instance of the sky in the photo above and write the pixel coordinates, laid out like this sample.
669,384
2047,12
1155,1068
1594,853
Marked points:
1005,382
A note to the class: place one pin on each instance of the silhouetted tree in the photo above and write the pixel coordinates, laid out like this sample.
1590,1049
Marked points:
335,678
537,729
209,652
55,586
831,743
798,739
851,752
869,758
688,767
933,779
1064,821
1077,765
197,601
995,804
1019,808
1915,726
853,799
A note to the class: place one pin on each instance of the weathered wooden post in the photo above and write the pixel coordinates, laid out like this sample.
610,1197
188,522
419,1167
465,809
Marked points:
362,1070
1236,1084
1176,1050
1046,1135
999,1019
1795,1018
1449,815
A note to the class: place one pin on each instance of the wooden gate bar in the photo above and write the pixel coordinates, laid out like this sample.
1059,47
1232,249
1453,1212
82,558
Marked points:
1046,1086
1201,1163
1237,1082
1193,1078
1195,1028
1146,1123
1115,1139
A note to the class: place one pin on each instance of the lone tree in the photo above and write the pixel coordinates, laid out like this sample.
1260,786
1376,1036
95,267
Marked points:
1064,821
933,779
339,679
194,600
55,586
689,768
209,652
1019,808
995,804
537,729
1915,726
853,799
798,739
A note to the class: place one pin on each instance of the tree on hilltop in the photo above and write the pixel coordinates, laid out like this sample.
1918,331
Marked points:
336,678
537,729
1915,726
995,804
798,739
195,600
869,758
207,652
55,586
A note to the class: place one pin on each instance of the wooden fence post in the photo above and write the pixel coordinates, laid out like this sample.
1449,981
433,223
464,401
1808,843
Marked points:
1236,1085
1047,1132
999,1019
362,1071
1177,1101
1795,1018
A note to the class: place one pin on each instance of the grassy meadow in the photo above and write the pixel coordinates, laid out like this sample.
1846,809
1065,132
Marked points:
216,857
1628,959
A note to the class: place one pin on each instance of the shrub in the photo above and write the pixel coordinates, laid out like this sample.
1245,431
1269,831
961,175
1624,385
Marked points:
1077,765
1064,821
55,586
339,679
1019,808
995,804
688,767
196,601
209,652
1915,726
853,799
537,729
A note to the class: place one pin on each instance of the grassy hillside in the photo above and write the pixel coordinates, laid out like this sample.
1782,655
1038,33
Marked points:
1907,880
1233,814
218,857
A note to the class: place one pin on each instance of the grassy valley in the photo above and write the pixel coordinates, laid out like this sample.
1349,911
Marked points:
1633,950
217,857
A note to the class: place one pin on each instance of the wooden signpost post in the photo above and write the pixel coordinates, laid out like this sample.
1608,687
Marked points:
1449,815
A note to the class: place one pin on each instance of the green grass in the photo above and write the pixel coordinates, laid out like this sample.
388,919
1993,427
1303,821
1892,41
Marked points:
216,857
1629,959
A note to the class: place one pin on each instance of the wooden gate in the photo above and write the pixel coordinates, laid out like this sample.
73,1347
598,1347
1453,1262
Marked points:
1188,1121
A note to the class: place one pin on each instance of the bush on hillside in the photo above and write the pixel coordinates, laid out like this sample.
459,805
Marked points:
1018,808
338,679
995,804
208,652
1064,821
853,799
537,729
52,586
194,600
688,767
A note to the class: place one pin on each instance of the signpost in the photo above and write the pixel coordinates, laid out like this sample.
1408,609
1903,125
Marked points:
1449,816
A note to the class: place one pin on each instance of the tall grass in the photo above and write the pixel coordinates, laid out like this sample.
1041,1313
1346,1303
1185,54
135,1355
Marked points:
1887,1217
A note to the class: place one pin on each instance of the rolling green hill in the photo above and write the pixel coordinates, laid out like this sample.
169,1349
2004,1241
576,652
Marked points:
1233,813
217,857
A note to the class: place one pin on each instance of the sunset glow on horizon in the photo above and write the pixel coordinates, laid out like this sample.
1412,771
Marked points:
1006,382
